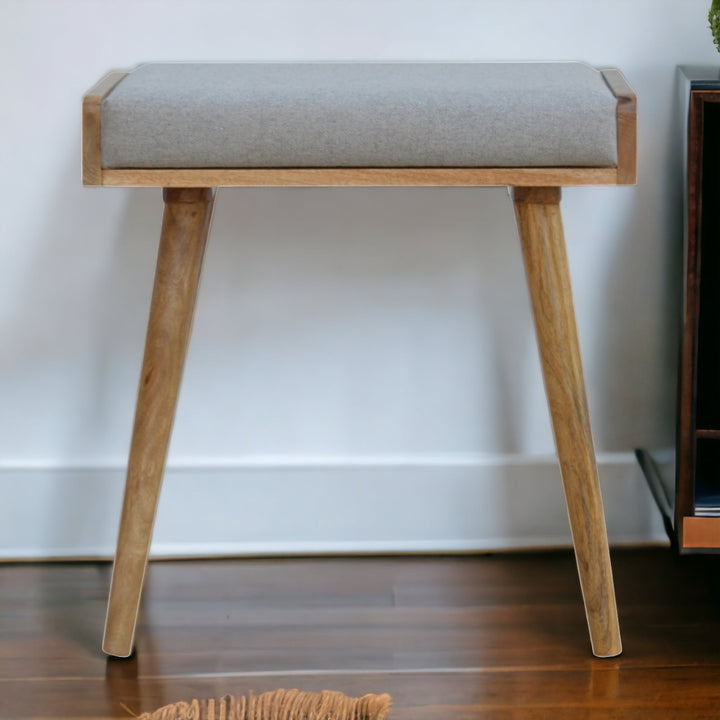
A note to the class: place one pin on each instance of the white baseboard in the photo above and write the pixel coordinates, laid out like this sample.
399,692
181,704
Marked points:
314,506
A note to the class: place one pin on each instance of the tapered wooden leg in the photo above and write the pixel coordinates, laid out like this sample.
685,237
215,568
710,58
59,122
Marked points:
182,243
541,233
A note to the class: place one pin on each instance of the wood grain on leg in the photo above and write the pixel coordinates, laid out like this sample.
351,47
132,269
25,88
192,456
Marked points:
541,233
184,232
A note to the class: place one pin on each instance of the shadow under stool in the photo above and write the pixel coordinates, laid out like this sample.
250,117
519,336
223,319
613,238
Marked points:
191,128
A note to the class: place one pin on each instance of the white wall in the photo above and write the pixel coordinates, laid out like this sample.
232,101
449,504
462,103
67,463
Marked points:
363,362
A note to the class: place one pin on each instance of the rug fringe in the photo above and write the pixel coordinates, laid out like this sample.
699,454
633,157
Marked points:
278,705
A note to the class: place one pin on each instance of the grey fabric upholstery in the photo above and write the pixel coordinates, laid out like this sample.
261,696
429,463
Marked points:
360,115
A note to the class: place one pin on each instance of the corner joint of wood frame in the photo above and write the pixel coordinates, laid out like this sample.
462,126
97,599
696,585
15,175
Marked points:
536,195
92,172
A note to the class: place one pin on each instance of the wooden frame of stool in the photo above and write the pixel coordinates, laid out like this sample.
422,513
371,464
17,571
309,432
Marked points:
188,197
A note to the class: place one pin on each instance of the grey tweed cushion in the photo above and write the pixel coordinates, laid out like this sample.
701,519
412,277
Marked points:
360,115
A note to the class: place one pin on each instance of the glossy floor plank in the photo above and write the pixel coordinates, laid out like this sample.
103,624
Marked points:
496,637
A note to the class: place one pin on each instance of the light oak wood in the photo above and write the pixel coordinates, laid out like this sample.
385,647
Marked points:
91,127
359,177
626,125
541,234
184,233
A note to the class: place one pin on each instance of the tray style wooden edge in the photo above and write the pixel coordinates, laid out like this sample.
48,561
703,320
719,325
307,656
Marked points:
624,174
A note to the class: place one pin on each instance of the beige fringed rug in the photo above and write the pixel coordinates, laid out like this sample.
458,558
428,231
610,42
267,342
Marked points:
279,705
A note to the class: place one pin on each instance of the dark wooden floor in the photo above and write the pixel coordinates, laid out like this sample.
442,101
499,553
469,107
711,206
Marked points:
450,638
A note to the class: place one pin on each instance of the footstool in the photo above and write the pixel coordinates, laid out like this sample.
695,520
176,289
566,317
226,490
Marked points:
191,128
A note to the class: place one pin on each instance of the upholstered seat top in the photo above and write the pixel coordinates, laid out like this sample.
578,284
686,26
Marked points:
360,115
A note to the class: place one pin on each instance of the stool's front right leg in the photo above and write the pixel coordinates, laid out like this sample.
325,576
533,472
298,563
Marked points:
186,222
543,242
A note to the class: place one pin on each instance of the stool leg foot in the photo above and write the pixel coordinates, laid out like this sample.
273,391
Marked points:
541,233
186,221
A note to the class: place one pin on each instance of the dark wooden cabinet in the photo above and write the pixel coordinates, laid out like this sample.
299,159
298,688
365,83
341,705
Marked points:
697,501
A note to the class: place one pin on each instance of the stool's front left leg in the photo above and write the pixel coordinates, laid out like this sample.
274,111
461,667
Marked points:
182,244
543,242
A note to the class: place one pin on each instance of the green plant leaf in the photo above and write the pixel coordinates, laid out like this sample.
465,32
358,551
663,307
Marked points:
714,18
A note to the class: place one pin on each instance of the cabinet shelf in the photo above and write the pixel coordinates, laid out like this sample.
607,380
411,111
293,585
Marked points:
697,501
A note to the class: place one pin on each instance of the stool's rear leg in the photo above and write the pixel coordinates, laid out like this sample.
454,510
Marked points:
182,243
541,233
